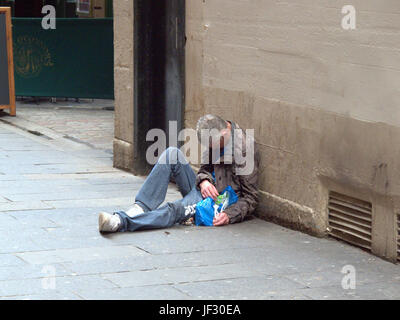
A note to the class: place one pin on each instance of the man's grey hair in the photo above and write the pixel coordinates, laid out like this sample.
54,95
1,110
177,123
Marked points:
211,124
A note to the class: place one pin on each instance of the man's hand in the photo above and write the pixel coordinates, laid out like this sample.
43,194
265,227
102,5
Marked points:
221,219
207,189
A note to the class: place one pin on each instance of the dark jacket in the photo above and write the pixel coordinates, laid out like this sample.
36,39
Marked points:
233,171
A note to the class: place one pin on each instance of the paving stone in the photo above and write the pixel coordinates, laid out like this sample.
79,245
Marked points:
24,205
88,202
250,288
70,195
167,261
25,287
4,200
9,260
163,292
179,275
370,291
14,241
24,225
79,254
26,271
50,295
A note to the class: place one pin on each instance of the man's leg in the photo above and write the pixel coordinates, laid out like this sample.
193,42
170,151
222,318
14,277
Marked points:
163,217
172,162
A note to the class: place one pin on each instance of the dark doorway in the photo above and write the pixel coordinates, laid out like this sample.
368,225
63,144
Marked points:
28,8
159,40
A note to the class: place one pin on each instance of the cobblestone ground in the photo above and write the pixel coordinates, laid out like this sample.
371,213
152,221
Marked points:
52,188
92,124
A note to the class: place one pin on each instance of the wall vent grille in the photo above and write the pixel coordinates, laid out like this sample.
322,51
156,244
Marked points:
350,220
398,237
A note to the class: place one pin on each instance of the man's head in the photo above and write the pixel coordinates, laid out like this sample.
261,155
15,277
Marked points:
214,130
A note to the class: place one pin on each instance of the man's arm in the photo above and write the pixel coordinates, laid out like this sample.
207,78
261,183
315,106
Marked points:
248,200
205,172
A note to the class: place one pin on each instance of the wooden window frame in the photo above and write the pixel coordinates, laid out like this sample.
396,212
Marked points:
11,86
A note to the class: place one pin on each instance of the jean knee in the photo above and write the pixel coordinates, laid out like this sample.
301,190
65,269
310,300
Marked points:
172,155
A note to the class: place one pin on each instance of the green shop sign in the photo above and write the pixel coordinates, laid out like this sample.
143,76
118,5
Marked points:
76,60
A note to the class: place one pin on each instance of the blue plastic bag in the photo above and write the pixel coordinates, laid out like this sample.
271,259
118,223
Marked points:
205,210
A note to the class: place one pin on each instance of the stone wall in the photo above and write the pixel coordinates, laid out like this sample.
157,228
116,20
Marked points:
123,78
324,101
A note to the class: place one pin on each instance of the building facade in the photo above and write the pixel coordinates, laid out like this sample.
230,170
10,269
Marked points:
323,100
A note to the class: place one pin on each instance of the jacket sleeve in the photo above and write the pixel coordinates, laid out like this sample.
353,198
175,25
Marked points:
206,169
205,173
248,200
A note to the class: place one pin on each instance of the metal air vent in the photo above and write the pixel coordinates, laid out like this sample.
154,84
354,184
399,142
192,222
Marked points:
350,220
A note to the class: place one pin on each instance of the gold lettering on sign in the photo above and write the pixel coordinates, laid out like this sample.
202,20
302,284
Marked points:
31,56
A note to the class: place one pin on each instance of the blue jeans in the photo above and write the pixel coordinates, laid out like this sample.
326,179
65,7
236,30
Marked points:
172,163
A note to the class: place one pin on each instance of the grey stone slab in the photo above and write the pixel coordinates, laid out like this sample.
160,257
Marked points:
68,241
94,154
28,170
178,275
30,186
50,156
250,288
51,295
167,261
4,200
112,187
380,290
16,245
370,291
35,214
163,292
197,239
14,241
6,178
24,147
70,195
9,260
94,175
28,189
77,219
24,205
334,278
30,221
6,219
25,271
10,288
132,180
88,203
79,254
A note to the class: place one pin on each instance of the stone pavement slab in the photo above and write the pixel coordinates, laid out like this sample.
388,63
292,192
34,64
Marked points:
52,189
79,254
248,288
159,292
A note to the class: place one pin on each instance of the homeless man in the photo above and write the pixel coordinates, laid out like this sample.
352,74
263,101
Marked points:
231,160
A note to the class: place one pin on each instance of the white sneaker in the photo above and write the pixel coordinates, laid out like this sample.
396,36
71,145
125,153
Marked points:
109,222
135,210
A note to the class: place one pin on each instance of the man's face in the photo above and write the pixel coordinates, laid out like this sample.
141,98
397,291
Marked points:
222,141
